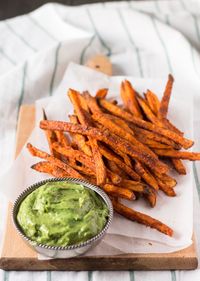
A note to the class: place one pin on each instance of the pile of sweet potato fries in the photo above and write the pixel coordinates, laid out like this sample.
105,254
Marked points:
126,150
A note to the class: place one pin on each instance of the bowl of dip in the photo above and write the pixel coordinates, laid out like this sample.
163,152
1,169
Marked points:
62,218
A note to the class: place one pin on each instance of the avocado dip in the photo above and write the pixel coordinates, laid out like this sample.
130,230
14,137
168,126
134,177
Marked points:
62,214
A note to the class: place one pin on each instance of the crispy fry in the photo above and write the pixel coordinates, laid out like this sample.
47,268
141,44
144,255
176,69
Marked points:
162,113
171,182
179,166
141,218
128,95
135,186
151,198
151,143
50,135
91,102
111,156
62,139
120,122
109,124
186,143
79,156
146,175
80,140
192,156
114,178
49,168
152,101
169,191
154,136
84,120
115,169
108,138
117,191
41,154
149,114
101,93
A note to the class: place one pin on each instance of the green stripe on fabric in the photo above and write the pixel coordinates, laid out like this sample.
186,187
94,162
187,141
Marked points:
35,22
48,275
24,70
85,49
132,275
98,35
90,277
162,43
19,36
173,275
6,275
132,43
196,179
54,69
7,57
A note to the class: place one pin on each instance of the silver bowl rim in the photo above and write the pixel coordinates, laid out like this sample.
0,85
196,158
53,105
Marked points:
86,184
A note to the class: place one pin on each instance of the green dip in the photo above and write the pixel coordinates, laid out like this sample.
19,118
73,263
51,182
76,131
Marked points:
61,214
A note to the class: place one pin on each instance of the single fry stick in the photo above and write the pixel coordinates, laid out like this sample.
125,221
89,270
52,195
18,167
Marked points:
115,169
135,186
101,93
62,139
151,198
164,104
141,218
80,140
169,191
120,122
146,175
113,177
117,191
111,156
50,135
171,182
151,143
179,166
186,143
91,102
149,114
152,101
41,154
49,168
128,95
192,156
110,139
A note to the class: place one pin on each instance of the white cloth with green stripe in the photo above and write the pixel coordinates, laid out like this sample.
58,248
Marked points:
143,39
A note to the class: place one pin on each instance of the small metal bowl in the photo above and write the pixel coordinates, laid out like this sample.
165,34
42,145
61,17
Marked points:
67,251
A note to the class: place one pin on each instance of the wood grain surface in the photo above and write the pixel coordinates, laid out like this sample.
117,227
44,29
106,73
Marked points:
16,255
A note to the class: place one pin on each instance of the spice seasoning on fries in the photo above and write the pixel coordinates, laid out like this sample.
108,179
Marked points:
121,149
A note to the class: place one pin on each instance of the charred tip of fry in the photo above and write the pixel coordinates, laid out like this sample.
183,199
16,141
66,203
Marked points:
170,77
44,114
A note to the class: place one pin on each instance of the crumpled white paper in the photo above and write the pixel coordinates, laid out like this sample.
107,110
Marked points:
123,236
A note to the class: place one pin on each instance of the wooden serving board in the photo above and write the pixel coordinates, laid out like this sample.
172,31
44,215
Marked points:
16,255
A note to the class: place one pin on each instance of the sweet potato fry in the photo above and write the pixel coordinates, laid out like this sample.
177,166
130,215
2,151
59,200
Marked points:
49,168
80,140
135,186
169,191
141,218
91,102
168,180
101,93
113,177
128,95
151,198
62,139
50,135
152,101
149,114
109,124
115,169
186,143
120,122
151,143
146,175
162,113
79,156
84,120
179,166
154,136
192,156
117,191
111,156
110,139
41,154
